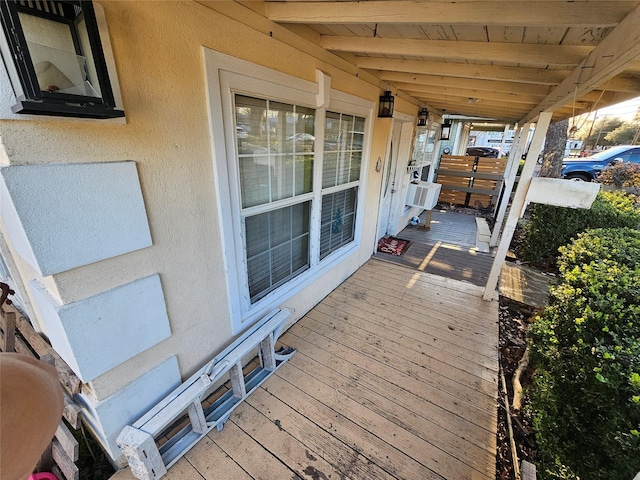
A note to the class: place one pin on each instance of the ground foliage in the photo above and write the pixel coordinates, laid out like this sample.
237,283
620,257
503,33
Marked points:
92,461
551,227
514,321
585,397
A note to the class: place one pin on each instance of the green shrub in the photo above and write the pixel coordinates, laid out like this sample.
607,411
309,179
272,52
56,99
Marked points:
550,227
617,244
585,346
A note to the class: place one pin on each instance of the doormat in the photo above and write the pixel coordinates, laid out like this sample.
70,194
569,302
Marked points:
393,245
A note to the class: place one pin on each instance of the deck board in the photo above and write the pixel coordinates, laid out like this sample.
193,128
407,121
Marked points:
447,249
395,377
403,400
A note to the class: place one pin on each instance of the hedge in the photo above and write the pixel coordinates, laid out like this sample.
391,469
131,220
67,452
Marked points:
550,227
585,346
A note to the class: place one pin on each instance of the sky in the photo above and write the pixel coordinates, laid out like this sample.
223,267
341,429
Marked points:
625,110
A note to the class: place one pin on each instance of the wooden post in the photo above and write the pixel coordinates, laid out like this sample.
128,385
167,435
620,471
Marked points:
517,204
9,332
46,459
427,221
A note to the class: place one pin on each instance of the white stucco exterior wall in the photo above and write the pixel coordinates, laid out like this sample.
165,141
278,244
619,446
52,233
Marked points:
157,48
70,215
97,333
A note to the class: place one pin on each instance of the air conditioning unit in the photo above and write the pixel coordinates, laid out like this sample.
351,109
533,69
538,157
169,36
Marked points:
423,194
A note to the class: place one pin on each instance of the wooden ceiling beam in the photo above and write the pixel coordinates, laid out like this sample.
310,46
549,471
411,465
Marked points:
478,110
600,98
465,70
512,13
460,103
490,111
466,94
622,83
466,83
580,107
619,50
514,53
496,109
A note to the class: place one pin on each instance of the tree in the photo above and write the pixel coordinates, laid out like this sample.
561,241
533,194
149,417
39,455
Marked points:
625,133
597,131
554,148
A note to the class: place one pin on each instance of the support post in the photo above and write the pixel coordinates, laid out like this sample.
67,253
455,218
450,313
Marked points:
518,148
518,203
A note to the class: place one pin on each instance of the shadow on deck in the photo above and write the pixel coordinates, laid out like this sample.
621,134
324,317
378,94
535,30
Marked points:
447,249
395,377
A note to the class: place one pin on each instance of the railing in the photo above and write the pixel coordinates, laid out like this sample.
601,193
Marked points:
470,181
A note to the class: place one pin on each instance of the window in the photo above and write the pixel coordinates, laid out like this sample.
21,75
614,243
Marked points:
276,145
632,156
288,160
275,161
342,161
423,147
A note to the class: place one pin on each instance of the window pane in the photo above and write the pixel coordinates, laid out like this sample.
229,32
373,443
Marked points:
279,227
281,262
337,220
329,169
275,150
281,123
251,122
283,185
256,178
356,160
259,274
300,219
343,142
331,132
277,247
256,241
303,175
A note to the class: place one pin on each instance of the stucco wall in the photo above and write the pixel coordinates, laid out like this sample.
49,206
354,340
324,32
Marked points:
157,48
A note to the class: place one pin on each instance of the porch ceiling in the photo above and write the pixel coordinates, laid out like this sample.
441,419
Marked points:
507,60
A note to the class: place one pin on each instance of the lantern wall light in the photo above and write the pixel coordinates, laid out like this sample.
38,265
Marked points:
423,117
385,108
54,57
446,130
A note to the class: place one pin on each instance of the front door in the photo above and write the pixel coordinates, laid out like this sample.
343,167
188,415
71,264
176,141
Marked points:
386,220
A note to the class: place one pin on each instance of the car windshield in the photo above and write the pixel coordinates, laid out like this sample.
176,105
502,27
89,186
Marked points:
609,153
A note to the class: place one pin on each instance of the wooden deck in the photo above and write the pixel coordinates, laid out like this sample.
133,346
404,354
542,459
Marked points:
395,377
447,249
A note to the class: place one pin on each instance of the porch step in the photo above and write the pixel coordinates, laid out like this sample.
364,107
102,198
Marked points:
483,235
139,442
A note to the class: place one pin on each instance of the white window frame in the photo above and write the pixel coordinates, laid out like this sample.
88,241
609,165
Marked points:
226,77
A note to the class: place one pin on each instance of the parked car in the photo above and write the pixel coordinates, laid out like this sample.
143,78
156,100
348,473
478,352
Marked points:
483,152
587,169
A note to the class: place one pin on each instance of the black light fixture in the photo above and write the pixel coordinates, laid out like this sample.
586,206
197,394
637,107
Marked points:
385,109
54,57
423,117
446,130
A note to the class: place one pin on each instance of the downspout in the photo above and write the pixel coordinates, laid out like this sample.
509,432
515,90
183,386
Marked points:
518,204
517,149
